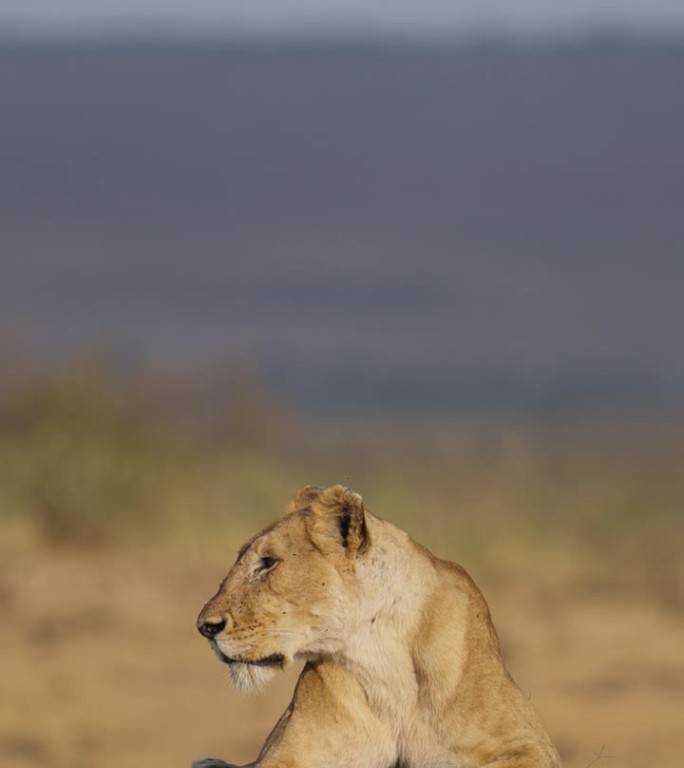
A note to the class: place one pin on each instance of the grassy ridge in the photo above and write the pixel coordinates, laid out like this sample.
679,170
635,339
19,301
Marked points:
88,458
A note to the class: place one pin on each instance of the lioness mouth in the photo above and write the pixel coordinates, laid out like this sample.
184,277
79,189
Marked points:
274,660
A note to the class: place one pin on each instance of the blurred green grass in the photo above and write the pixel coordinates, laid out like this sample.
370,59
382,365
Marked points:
90,458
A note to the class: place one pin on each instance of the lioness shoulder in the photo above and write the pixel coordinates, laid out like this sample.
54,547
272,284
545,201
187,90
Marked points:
403,665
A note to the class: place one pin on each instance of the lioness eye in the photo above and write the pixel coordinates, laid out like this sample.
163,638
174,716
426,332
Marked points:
267,562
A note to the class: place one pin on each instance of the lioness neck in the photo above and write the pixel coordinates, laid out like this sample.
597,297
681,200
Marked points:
400,627
426,656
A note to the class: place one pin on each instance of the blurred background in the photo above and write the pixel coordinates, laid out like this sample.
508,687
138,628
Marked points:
433,251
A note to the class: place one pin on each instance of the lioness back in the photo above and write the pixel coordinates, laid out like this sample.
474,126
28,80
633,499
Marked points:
403,665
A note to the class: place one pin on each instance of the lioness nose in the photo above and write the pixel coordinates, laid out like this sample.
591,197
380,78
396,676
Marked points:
211,626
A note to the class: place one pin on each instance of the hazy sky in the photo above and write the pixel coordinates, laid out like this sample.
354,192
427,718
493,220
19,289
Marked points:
431,18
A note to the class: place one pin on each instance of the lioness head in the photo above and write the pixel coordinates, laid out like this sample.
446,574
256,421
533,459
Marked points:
287,595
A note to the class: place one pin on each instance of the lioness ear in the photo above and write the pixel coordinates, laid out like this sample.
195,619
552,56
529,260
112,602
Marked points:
338,521
302,498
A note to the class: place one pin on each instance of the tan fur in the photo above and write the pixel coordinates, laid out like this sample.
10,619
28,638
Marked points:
403,662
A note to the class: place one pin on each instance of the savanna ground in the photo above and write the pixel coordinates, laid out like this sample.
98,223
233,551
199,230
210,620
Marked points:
119,517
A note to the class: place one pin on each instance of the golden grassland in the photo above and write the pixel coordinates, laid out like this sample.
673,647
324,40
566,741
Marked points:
122,504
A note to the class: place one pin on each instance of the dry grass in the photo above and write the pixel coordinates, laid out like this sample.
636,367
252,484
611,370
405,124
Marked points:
118,518
103,668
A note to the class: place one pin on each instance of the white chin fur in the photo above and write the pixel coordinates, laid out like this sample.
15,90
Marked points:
248,677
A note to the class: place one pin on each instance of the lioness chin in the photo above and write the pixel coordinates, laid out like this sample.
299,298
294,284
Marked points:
403,666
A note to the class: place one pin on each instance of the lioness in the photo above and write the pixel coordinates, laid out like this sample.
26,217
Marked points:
403,666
